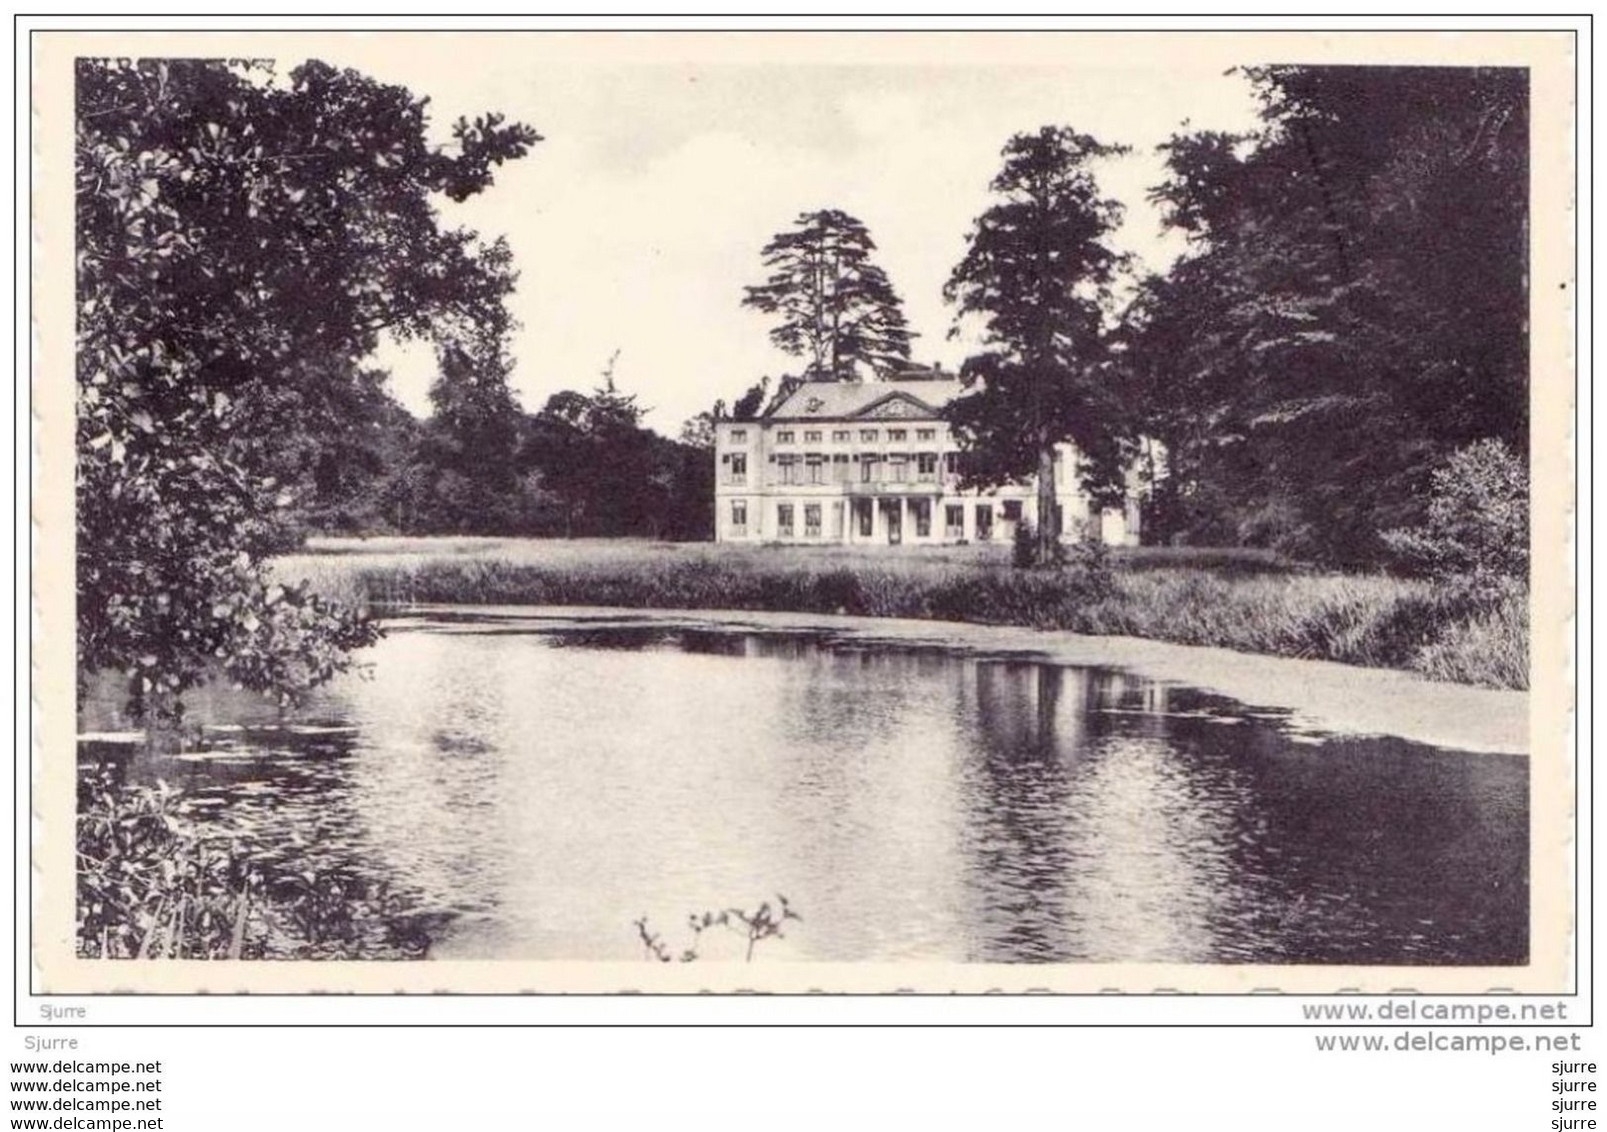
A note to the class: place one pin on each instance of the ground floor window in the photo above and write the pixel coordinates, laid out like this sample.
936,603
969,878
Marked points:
984,522
954,520
837,520
1012,510
811,520
923,518
739,516
783,520
866,517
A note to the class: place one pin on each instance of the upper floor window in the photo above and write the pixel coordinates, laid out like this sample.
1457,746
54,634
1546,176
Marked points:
867,434
897,434
896,465
784,437
739,436
787,469
926,466
817,467
811,438
840,436
737,472
867,469
926,434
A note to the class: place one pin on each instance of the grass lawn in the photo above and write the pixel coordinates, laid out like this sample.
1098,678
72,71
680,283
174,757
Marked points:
1242,600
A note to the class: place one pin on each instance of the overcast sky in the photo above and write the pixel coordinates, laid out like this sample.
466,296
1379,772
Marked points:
637,222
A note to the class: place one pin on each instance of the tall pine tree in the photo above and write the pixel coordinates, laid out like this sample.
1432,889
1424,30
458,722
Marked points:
837,308
1038,272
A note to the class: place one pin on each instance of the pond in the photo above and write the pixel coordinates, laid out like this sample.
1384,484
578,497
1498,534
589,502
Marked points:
535,787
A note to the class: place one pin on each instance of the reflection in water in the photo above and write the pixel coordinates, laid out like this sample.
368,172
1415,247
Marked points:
544,789
1089,841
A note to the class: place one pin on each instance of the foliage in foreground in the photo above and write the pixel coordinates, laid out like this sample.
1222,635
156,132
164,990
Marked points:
153,884
1443,629
242,239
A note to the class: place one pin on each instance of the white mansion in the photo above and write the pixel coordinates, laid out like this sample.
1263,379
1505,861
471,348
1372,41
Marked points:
873,462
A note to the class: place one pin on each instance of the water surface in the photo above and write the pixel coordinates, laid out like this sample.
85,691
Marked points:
535,787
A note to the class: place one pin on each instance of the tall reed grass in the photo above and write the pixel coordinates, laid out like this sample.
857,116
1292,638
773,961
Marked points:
1442,631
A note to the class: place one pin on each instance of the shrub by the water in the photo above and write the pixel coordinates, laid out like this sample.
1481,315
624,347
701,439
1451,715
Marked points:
146,888
1477,523
153,883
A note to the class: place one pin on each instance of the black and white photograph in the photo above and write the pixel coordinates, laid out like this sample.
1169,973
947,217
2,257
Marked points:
844,512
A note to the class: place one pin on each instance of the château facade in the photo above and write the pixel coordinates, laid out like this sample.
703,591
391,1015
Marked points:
873,462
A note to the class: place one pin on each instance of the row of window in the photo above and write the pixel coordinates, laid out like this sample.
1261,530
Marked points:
784,519
895,468
953,518
838,436
812,467
867,435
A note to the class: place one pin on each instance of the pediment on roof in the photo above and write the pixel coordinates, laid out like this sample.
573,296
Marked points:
897,407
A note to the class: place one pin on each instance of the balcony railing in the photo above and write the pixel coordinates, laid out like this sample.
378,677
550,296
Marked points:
888,487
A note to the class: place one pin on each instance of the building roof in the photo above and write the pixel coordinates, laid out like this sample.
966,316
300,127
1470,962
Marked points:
849,400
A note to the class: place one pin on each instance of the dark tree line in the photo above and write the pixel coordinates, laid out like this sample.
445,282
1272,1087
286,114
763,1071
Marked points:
584,465
1344,343
1352,311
